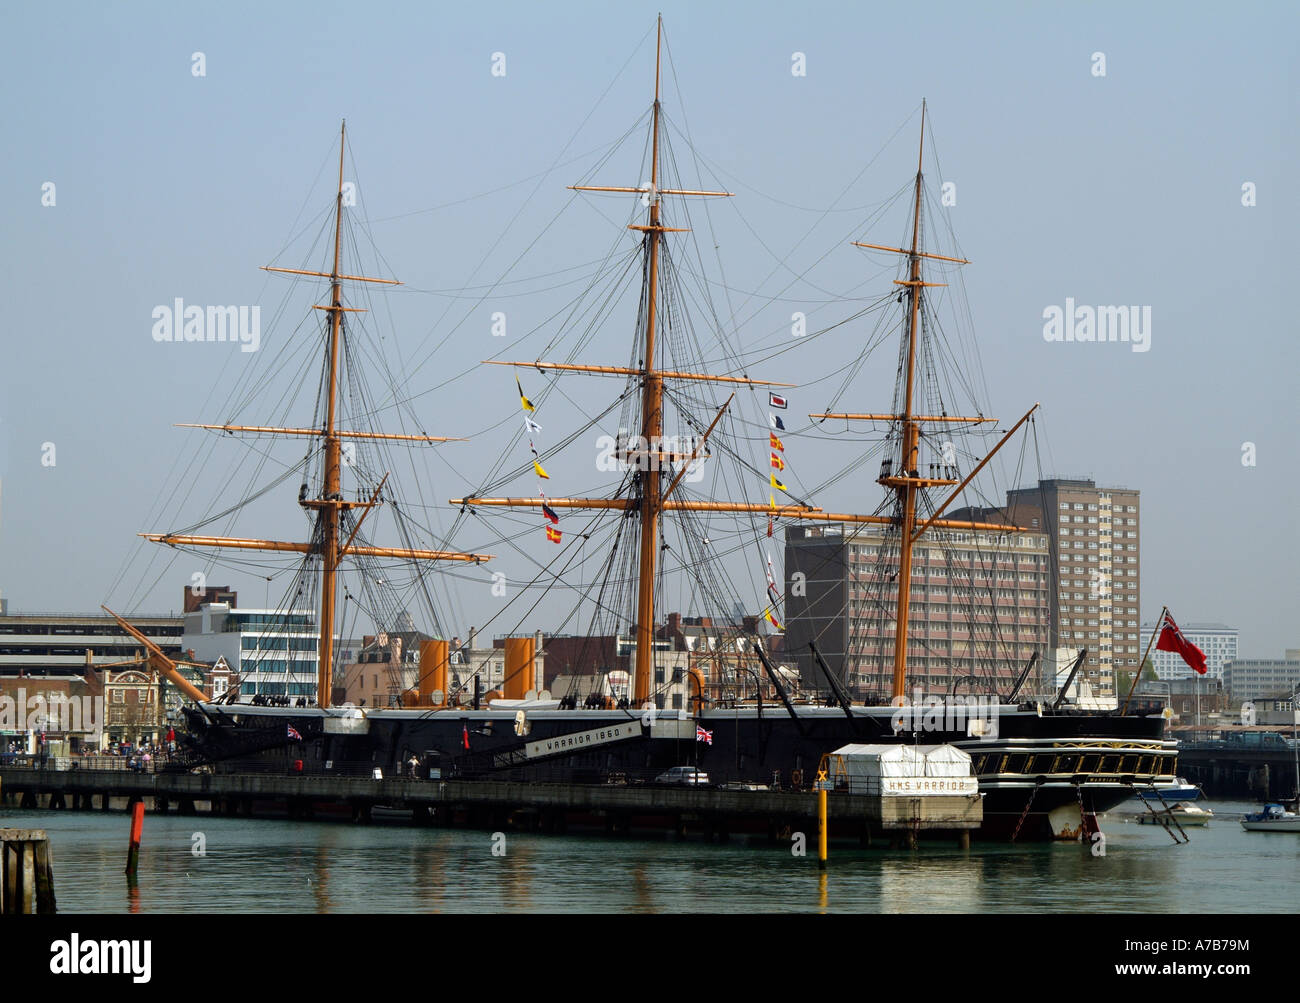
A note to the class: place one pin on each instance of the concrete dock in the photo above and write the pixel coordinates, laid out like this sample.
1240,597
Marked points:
554,807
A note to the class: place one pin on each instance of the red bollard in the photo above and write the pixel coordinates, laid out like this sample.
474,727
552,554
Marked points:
137,828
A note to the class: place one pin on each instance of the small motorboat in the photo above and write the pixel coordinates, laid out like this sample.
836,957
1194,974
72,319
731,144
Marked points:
1181,790
1184,811
1274,818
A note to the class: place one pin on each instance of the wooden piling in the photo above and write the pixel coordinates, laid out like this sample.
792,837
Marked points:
26,872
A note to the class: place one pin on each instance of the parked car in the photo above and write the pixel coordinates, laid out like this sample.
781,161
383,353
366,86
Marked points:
691,775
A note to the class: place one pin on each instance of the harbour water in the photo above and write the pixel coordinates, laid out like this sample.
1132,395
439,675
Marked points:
263,866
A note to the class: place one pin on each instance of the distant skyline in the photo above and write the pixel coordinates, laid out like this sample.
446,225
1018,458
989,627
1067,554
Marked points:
1162,184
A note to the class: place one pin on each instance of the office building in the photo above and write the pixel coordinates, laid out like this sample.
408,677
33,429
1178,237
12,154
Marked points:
1257,678
979,606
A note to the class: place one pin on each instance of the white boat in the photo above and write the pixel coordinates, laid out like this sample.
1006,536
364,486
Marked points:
1184,811
1179,791
1274,818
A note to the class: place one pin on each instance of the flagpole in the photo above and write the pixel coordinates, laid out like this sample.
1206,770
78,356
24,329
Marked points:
1164,611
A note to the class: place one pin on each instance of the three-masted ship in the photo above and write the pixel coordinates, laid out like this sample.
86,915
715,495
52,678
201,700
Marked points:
1045,770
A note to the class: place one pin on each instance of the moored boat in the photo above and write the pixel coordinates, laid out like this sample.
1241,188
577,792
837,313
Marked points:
1180,790
1272,818
1185,812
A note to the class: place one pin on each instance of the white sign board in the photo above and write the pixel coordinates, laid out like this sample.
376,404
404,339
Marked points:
583,739
915,786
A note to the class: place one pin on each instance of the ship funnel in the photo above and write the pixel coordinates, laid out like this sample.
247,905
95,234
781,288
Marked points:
520,655
433,671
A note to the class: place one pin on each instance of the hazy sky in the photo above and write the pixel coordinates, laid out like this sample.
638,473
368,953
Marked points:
1117,189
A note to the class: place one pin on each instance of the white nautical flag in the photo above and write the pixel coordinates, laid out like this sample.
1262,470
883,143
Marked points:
772,590
533,428
776,421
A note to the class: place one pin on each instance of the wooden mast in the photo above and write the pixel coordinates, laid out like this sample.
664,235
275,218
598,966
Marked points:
652,427
911,440
332,494
652,502
331,504
908,482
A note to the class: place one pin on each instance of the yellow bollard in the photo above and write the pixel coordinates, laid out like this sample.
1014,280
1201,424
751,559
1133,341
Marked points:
821,831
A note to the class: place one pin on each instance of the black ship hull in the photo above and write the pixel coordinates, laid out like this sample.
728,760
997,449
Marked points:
1042,775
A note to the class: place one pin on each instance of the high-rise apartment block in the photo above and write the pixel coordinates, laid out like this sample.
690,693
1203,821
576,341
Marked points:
1095,552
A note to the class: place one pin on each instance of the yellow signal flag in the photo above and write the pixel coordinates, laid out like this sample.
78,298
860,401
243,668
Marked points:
771,499
524,401
777,484
540,472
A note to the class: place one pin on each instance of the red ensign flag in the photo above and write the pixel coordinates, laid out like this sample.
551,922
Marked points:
1172,639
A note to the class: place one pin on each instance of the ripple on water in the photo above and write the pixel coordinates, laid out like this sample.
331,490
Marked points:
279,866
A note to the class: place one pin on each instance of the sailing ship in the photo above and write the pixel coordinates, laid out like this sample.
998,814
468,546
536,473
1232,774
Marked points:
1272,818
1044,770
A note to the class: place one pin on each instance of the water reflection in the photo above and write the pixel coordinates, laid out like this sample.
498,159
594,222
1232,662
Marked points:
281,867
641,889
519,851
320,883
